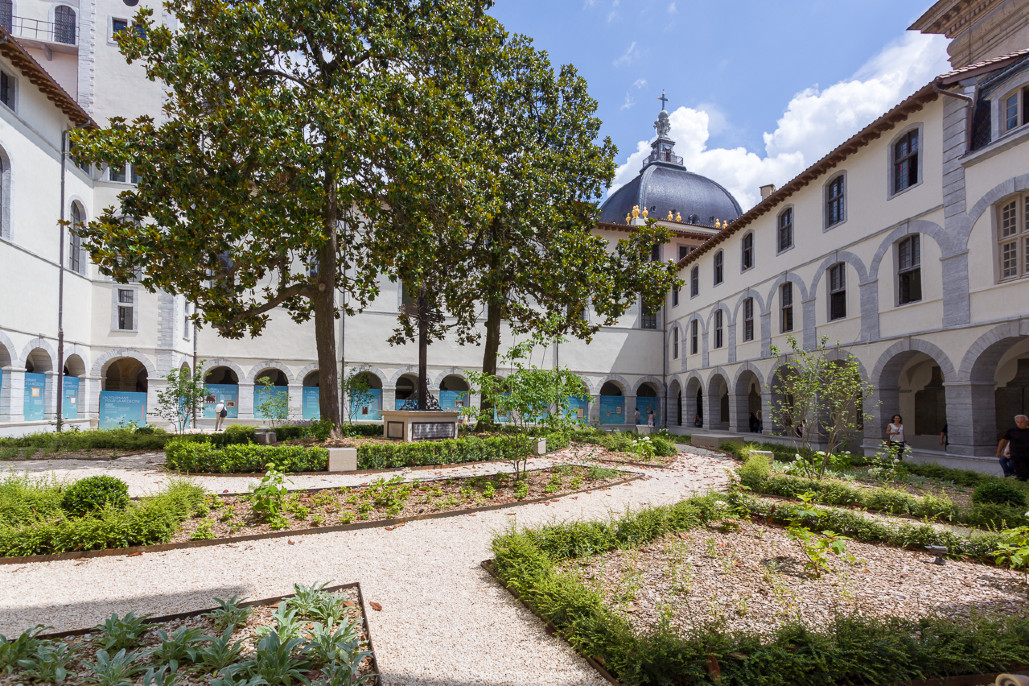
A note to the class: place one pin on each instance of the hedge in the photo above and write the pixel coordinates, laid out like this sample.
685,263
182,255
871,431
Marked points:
150,520
243,458
852,650
449,451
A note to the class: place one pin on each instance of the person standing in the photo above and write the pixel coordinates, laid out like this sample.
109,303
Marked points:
1016,439
220,413
650,417
895,436
760,423
636,416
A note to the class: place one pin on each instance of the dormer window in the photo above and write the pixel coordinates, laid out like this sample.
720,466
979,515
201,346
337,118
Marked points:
1013,110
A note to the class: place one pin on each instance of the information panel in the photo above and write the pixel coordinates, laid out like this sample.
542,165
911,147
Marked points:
263,394
612,409
311,409
578,409
227,393
35,395
646,404
70,405
427,431
122,408
366,405
453,400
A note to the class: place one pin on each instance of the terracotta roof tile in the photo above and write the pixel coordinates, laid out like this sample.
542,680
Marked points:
41,79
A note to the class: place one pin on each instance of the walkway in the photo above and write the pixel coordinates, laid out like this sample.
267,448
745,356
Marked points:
443,621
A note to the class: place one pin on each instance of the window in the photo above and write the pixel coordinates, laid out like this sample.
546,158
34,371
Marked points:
837,291
719,271
675,297
785,237
118,25
406,298
126,312
1013,110
1013,237
718,329
786,307
834,205
655,252
648,318
694,337
187,323
133,176
748,319
684,250
7,89
909,272
75,262
905,161
117,174
747,252
64,25
675,343
695,282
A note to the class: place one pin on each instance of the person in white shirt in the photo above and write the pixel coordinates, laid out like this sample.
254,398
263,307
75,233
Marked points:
219,415
895,436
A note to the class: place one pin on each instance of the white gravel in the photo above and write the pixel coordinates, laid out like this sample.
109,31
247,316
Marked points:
444,620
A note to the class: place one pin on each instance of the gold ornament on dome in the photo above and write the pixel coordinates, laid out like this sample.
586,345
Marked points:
635,211
678,216
718,224
645,213
628,218
669,215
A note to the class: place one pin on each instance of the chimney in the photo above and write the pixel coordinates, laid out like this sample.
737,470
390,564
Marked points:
767,190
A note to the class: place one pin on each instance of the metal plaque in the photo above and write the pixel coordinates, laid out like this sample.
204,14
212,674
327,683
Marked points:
432,430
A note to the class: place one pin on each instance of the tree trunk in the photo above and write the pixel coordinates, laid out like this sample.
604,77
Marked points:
423,352
490,352
324,301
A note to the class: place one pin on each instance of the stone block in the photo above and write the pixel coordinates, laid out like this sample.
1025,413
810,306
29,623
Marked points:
265,437
764,453
342,459
541,446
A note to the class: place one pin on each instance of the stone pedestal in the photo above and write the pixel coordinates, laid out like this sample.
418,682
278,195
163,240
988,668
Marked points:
264,436
645,429
419,425
541,446
342,459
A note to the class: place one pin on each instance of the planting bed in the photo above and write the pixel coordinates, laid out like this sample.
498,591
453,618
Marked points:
318,634
229,516
753,578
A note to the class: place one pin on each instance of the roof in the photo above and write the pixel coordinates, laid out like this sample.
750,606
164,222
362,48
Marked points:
949,17
681,233
911,104
41,79
662,187
984,66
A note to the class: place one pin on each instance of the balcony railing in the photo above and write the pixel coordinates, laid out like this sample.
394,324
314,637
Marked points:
36,29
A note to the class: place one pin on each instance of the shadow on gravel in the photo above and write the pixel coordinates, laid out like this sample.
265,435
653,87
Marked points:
67,616
139,462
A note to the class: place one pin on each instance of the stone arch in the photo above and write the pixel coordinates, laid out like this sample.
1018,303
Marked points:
912,345
6,193
920,391
8,354
33,349
306,371
453,371
618,382
101,363
257,369
126,374
1015,184
693,398
674,404
748,367
931,229
973,362
783,278
657,383
749,293
995,392
836,257
224,362
747,390
717,416
401,372
729,320
75,365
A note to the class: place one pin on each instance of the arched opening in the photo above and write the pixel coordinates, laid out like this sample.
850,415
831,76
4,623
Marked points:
74,368
366,400
783,421
579,405
674,404
749,416
124,394
271,395
407,389
718,402
648,404
453,393
911,385
1000,390
5,364
612,404
310,407
64,25
37,364
694,403
222,385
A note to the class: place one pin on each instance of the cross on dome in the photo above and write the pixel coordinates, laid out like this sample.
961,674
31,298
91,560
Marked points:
663,100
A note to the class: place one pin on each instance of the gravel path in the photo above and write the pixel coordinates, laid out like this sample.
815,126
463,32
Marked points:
443,620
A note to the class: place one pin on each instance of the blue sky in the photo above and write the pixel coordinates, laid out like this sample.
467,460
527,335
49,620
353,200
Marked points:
758,90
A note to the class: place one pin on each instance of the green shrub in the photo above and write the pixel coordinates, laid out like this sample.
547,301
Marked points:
95,493
558,440
664,447
243,458
24,499
891,501
108,439
994,516
754,472
999,493
234,434
450,451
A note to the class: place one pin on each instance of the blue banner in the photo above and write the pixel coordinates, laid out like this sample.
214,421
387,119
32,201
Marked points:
311,409
263,394
227,393
646,404
453,400
612,410
578,409
122,408
366,405
70,406
35,397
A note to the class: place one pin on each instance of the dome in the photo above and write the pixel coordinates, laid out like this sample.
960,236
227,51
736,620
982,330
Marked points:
664,185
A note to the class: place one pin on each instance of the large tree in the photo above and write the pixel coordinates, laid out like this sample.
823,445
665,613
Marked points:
291,133
528,253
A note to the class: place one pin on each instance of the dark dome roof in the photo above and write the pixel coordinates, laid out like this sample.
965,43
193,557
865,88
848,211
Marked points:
665,186
662,187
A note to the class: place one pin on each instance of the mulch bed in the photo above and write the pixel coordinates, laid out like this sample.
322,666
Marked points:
233,515
753,578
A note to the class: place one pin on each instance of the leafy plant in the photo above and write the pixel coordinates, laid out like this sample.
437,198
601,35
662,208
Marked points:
163,676
49,663
1013,552
999,493
887,467
329,644
268,497
95,493
275,403
278,660
203,532
117,670
314,602
182,397
119,633
219,653
816,547
21,647
175,648
230,613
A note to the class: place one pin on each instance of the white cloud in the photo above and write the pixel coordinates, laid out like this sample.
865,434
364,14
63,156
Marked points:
672,9
630,55
629,102
640,83
814,122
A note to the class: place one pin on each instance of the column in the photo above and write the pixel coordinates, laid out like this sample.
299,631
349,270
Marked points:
389,397
739,414
11,396
296,402
971,419
630,412
246,403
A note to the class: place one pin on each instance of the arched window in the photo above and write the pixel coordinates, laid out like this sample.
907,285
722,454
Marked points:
718,329
694,337
905,161
695,282
1013,237
675,343
747,252
64,25
835,207
75,262
837,291
748,319
785,237
719,267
